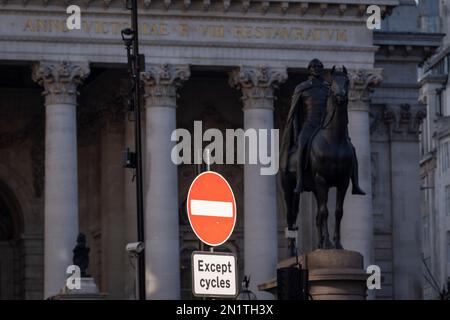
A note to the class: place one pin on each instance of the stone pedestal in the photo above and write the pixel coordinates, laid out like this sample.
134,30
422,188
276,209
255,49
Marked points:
333,275
88,291
336,275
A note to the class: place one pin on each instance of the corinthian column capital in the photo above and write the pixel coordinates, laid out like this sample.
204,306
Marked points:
161,82
363,82
257,83
60,79
262,76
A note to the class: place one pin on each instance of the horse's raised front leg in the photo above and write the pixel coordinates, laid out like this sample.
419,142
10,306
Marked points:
340,196
321,194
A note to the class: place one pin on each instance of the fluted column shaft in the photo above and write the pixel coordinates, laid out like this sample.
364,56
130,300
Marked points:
161,191
60,81
357,223
260,205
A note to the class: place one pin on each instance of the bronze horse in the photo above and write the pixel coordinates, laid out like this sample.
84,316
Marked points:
329,163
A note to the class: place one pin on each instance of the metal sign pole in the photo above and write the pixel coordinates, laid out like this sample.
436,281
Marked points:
199,170
139,183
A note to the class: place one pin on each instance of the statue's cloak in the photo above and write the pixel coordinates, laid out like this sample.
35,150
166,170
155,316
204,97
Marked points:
293,127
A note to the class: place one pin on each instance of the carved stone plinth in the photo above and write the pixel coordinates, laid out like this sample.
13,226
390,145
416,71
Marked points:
337,275
333,275
88,291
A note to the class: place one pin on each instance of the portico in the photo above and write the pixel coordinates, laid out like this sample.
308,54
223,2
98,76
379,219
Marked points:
235,58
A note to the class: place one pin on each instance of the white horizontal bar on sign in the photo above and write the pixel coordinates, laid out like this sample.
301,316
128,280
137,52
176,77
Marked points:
212,208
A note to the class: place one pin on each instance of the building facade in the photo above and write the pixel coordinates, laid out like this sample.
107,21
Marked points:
435,94
231,64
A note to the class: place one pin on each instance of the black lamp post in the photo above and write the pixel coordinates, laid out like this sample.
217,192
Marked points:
136,64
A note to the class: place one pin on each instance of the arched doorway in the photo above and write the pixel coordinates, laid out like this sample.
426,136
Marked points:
10,246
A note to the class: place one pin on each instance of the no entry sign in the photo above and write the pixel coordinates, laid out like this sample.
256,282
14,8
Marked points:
211,208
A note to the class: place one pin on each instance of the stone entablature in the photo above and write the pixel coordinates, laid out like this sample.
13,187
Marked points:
404,121
396,122
194,32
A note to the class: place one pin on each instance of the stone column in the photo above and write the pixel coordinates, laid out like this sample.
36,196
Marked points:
162,253
357,223
114,256
432,172
403,123
260,205
60,80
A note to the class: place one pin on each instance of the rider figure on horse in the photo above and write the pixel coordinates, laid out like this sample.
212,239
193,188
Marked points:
308,108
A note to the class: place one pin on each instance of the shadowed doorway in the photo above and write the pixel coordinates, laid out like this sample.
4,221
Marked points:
11,268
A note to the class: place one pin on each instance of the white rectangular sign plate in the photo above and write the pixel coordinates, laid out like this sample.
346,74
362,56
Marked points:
214,274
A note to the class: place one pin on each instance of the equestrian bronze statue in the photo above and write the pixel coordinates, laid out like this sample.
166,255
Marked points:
316,152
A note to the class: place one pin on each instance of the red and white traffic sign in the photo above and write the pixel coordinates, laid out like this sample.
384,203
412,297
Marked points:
211,208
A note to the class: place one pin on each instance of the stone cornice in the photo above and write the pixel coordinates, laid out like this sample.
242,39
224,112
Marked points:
439,56
261,7
60,80
436,79
407,38
407,43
